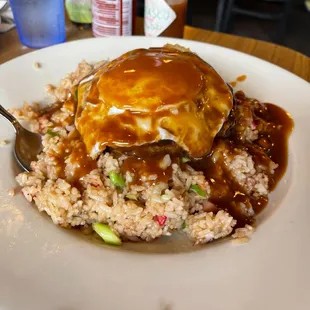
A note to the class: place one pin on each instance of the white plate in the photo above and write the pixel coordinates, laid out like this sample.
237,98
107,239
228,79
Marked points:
45,267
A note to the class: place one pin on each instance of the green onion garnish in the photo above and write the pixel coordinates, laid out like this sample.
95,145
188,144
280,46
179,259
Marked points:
117,179
185,160
197,189
51,133
105,232
132,196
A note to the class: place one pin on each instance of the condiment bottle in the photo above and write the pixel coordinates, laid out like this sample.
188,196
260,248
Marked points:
113,17
165,18
79,12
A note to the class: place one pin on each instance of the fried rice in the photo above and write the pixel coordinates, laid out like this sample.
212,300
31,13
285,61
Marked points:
139,211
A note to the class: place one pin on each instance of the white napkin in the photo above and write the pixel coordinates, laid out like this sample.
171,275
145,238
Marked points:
6,17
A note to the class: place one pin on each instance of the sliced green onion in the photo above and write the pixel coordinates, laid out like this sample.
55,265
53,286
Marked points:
184,225
117,179
132,196
51,133
197,189
185,160
76,93
105,232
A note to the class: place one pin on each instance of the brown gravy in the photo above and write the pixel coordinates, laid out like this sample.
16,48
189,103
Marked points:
278,150
227,194
140,167
123,105
274,126
74,148
239,79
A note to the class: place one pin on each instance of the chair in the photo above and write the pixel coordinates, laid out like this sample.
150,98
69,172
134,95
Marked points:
228,8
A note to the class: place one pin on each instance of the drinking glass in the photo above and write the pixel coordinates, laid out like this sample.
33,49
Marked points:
39,23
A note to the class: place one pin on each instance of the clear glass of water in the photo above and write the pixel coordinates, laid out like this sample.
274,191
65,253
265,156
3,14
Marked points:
39,23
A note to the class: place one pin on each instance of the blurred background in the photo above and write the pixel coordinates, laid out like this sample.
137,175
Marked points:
287,23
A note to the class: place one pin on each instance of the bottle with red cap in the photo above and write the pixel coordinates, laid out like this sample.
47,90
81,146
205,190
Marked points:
113,17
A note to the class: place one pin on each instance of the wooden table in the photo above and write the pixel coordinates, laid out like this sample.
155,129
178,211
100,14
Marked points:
288,59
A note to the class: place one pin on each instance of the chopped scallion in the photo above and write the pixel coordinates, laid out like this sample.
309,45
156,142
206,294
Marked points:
185,160
105,232
117,179
197,189
132,196
51,133
76,94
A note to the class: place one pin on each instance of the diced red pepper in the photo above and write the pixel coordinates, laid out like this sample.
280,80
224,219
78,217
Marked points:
253,125
161,219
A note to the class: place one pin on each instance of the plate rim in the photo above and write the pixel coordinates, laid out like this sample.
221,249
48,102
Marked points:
157,260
